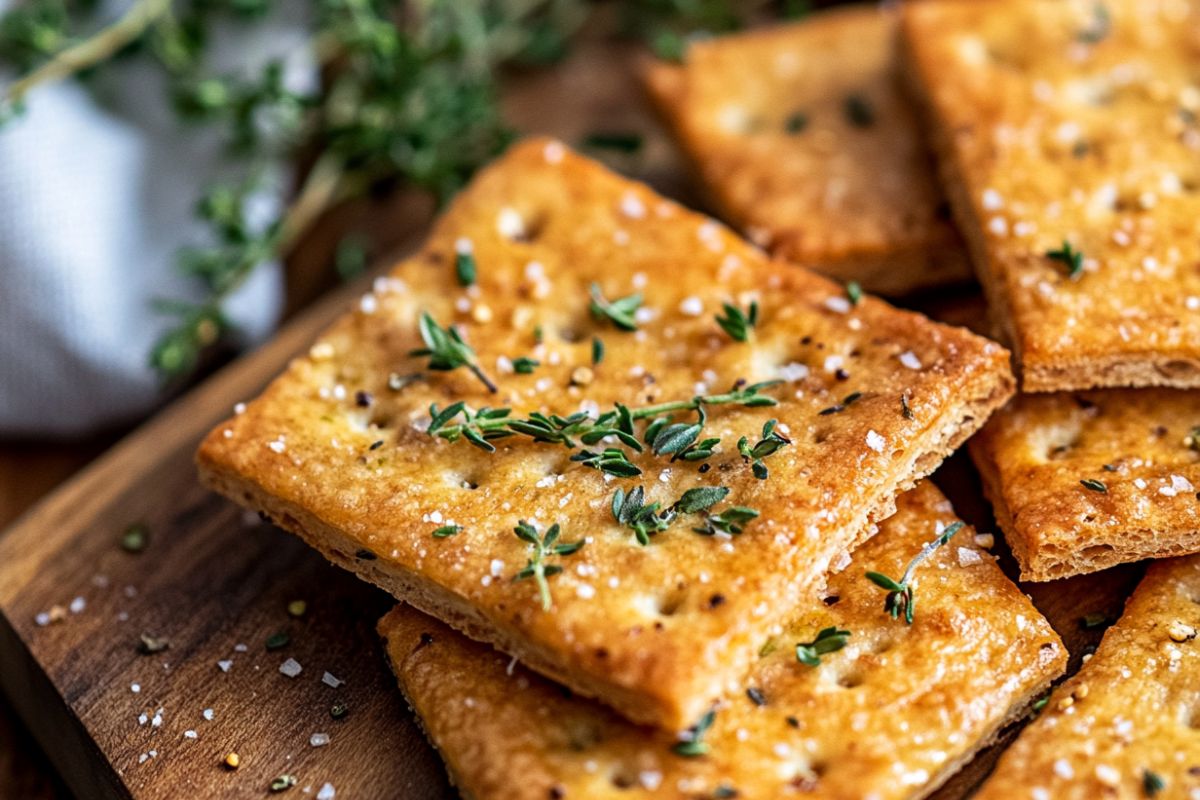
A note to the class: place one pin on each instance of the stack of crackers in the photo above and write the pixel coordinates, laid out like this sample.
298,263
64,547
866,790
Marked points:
651,493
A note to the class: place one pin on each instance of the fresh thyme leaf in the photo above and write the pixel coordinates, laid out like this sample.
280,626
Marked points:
692,742
278,640
135,538
772,440
1094,485
447,351
446,531
523,365
1152,783
614,140
465,268
1069,256
736,323
644,520
543,546
796,122
619,312
769,646
700,498
678,436
828,640
1041,703
854,293
859,111
847,401
1092,621
1098,27
731,521
283,783
597,350
612,461
900,598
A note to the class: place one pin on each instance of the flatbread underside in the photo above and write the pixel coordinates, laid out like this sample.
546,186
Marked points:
802,138
892,715
1139,457
1072,122
1125,725
871,400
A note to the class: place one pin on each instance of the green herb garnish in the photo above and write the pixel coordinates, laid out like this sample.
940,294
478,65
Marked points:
297,608
847,401
464,266
828,640
523,365
1152,783
543,546
447,351
731,521
772,440
619,312
692,742
1192,440
1094,485
1069,256
597,350
1099,27
338,710
614,140
611,460
283,783
854,293
446,531
736,323
631,510
796,122
135,538
900,598
278,640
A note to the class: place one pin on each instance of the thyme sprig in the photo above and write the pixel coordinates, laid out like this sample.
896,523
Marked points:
691,743
543,546
731,521
828,640
447,351
619,312
737,323
480,427
1069,256
772,440
900,598
632,511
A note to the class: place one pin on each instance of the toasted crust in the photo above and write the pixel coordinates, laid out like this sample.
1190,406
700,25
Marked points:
632,625
1073,121
1035,452
892,715
1132,708
856,202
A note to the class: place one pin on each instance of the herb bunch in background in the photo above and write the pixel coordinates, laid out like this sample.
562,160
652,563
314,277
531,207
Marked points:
408,96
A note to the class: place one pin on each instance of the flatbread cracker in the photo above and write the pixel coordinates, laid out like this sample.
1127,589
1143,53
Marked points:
892,715
1125,725
802,138
1073,122
1084,481
334,454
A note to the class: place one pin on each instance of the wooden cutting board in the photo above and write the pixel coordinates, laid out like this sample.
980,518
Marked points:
216,583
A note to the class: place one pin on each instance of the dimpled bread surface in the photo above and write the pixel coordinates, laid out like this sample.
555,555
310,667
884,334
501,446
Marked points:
802,138
891,715
1124,726
1076,122
1135,448
331,453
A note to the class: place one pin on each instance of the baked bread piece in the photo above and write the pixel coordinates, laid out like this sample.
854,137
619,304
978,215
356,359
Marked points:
802,139
892,715
657,630
1124,726
1073,122
1138,451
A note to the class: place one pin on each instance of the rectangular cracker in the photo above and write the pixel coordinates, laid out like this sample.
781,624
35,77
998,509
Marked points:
1133,708
1073,122
638,626
803,140
892,715
1135,449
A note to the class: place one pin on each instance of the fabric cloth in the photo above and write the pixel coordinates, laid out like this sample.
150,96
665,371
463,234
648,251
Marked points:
95,200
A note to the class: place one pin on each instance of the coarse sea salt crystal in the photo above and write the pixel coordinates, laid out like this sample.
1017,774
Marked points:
909,359
319,739
327,791
291,668
329,680
875,441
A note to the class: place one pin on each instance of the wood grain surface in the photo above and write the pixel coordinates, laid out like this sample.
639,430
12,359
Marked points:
213,578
